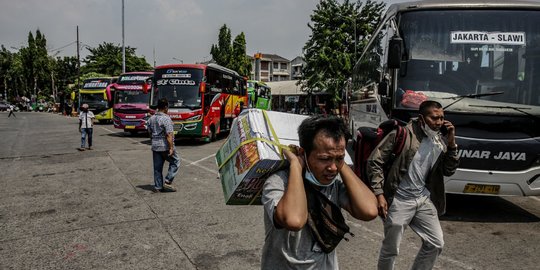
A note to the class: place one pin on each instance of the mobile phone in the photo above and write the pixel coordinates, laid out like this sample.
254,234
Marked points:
443,130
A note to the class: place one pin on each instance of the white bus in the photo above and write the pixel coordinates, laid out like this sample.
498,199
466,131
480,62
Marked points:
481,61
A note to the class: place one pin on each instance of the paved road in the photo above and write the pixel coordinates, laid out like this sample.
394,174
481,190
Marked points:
64,209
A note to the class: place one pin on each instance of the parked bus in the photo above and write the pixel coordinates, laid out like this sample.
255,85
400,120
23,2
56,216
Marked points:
259,95
481,61
131,104
203,99
94,93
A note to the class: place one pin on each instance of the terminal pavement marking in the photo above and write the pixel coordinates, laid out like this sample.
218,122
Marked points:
130,139
205,158
412,245
194,163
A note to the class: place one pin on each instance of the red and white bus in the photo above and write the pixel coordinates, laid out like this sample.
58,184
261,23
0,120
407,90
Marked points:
130,109
203,99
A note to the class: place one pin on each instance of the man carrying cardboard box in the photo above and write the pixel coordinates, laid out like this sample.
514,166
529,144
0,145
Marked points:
297,235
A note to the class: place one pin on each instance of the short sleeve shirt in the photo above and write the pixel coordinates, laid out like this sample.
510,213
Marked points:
284,249
87,119
159,125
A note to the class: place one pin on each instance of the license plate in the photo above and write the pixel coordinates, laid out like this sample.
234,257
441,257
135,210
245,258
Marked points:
130,127
485,189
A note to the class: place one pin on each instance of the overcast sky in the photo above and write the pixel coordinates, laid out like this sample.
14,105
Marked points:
175,29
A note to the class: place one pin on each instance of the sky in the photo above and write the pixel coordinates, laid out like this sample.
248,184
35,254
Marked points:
163,31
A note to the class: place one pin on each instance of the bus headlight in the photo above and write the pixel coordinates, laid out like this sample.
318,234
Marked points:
195,118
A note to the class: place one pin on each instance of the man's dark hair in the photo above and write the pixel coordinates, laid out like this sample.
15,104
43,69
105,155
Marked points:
162,104
332,127
428,104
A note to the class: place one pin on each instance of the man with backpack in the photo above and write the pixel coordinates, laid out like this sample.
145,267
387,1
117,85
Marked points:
316,181
412,191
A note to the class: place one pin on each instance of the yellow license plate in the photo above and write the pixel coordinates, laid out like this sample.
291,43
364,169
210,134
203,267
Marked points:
485,189
130,127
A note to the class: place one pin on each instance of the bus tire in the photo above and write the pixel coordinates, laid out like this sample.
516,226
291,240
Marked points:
212,133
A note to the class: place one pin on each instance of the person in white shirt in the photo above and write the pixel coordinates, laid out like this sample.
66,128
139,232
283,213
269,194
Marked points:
86,124
11,111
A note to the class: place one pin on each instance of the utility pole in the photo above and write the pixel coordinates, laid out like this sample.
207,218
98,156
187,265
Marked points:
78,68
123,45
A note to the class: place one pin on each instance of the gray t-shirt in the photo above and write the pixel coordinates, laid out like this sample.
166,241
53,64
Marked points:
285,249
159,125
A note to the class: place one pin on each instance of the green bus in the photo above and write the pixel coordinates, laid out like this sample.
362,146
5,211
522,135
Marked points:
259,95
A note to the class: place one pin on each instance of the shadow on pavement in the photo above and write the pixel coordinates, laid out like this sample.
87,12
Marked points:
469,208
146,187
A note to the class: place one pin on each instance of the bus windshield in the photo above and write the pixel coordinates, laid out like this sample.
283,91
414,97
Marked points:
491,55
180,86
96,100
121,97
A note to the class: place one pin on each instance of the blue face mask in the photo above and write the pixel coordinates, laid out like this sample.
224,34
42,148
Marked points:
312,179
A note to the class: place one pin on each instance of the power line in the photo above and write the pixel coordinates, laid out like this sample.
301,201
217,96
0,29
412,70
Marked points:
57,49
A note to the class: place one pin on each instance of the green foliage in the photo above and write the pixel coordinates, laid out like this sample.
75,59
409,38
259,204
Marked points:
221,52
231,55
107,59
330,51
66,72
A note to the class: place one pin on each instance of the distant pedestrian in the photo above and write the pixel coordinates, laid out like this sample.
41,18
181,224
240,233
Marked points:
11,109
86,126
161,129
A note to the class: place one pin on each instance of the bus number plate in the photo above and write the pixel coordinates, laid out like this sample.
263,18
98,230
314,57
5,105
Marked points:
485,189
130,127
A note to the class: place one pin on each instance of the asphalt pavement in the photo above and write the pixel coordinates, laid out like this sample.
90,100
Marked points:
65,209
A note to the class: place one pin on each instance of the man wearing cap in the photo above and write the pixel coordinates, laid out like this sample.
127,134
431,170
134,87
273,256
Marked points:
86,124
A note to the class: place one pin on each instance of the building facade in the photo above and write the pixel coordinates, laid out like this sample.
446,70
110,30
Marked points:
270,68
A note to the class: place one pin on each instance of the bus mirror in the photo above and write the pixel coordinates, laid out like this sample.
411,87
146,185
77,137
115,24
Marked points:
147,85
395,51
202,87
382,88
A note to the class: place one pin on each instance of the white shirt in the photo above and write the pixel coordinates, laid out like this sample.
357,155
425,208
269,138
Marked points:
86,119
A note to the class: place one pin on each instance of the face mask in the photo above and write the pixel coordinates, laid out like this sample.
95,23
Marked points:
311,178
433,135
429,132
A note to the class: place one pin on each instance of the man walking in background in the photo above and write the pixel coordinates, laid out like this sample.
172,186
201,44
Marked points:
86,126
11,111
160,127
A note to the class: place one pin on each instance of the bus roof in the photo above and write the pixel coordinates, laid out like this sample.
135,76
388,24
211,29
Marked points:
138,72
461,4
199,66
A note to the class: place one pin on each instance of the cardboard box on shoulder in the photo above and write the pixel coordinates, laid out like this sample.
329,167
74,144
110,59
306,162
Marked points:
252,152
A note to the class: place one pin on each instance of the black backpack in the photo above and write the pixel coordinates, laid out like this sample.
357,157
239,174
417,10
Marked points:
367,138
325,220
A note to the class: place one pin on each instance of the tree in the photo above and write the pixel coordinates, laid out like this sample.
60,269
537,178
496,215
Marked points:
6,61
36,66
107,59
329,52
233,55
239,60
222,51
66,72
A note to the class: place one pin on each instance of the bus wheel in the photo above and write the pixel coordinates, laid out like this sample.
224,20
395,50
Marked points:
212,133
